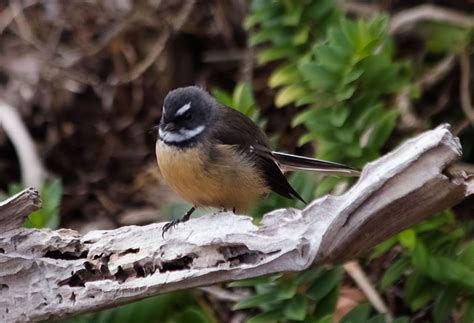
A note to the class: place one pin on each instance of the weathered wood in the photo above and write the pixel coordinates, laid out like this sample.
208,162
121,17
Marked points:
14,210
49,274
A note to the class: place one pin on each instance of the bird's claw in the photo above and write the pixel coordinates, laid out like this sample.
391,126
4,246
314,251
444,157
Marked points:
168,226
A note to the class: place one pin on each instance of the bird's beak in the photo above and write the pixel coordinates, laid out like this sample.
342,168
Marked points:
170,127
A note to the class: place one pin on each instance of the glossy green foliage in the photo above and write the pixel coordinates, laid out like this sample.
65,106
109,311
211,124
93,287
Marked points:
436,266
347,80
168,308
307,297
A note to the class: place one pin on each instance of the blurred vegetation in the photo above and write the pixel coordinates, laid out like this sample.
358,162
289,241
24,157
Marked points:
329,82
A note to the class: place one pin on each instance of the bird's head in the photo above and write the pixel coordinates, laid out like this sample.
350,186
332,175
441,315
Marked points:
187,114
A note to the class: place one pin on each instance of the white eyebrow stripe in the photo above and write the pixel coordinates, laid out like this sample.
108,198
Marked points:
183,109
181,135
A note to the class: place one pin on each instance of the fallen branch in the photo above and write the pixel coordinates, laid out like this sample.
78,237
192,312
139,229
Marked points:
48,274
404,20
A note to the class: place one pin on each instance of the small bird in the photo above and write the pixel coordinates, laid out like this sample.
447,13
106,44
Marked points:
214,156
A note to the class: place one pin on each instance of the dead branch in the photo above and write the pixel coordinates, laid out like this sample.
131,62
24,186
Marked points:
404,20
48,274
13,211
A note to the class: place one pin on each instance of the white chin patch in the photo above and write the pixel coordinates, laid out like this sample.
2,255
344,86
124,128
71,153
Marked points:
180,135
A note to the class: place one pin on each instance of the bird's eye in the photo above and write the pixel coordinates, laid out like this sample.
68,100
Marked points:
187,116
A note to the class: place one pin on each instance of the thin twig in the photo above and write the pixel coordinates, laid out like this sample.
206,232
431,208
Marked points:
8,15
408,119
464,87
405,19
437,72
223,294
32,169
141,67
358,275
157,48
359,8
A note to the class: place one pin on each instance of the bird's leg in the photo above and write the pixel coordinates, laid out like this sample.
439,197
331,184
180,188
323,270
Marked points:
171,224
233,210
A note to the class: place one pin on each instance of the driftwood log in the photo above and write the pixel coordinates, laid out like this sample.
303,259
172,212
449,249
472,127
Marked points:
48,274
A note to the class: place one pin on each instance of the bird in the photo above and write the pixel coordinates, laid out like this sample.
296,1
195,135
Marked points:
213,156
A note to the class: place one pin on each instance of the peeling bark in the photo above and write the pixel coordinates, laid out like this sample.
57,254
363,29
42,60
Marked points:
48,274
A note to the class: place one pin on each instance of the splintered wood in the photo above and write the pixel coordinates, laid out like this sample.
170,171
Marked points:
47,274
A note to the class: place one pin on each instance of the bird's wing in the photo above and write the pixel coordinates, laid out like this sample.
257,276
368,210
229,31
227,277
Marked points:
289,162
235,129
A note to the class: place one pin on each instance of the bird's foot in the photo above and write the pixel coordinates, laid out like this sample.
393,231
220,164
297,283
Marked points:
173,223
169,225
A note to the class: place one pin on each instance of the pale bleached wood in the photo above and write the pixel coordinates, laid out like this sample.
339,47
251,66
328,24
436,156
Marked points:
50,274
13,211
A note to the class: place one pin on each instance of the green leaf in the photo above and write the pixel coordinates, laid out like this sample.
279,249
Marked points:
258,16
255,301
324,284
266,317
190,315
223,98
288,94
264,35
444,304
318,76
287,290
339,115
418,291
309,275
345,94
394,272
358,314
466,256
451,270
379,318
48,215
301,36
14,188
441,37
330,57
383,247
284,75
273,54
296,308
383,129
407,238
326,185
327,305
243,99
352,75
420,257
